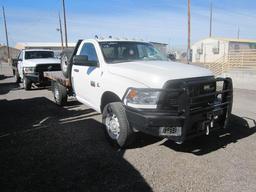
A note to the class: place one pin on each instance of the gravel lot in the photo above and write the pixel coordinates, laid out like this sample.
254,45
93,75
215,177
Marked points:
44,147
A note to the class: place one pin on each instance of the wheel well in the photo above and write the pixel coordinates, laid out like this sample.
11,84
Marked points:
108,97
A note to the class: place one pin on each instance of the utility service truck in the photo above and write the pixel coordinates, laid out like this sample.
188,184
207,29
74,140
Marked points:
136,88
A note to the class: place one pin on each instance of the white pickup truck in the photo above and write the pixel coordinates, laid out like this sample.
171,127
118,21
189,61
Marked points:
136,88
30,65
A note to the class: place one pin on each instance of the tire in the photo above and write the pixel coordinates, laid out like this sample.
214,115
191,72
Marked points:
27,83
17,76
66,61
59,93
114,117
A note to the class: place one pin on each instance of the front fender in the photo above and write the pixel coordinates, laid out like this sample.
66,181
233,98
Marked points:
119,84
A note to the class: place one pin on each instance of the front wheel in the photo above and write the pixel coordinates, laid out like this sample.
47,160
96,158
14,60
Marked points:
17,76
117,127
27,83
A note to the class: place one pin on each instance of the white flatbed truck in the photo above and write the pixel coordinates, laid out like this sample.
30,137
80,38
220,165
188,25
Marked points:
136,89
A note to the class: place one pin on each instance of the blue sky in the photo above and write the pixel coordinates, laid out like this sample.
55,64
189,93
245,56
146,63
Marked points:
154,20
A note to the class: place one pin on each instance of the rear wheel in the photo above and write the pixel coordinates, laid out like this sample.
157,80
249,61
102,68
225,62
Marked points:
60,94
27,83
66,61
117,127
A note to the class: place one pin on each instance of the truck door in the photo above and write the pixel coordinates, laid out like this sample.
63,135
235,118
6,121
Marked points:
86,78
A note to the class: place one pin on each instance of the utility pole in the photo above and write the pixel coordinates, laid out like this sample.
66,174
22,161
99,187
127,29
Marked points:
60,30
238,32
189,17
65,23
210,33
6,35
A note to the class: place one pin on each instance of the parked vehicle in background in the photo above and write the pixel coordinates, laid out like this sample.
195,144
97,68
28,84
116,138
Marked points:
30,65
172,56
138,89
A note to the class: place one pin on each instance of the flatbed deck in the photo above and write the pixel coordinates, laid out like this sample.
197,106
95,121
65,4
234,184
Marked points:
58,77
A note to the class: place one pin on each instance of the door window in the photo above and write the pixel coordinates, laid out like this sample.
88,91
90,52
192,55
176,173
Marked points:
88,50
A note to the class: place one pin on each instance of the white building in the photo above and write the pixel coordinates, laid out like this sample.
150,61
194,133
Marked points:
212,49
41,45
4,53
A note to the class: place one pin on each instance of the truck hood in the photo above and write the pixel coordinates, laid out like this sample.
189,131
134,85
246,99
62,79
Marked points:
154,74
34,62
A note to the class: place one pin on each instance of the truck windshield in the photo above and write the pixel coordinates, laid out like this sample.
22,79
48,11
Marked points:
116,52
39,54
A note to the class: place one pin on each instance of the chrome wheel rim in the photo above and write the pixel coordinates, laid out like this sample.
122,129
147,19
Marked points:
113,126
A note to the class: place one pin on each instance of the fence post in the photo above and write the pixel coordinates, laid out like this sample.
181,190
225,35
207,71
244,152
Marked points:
223,63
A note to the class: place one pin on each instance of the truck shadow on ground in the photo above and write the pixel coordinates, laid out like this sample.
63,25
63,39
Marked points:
44,147
2,77
7,87
238,129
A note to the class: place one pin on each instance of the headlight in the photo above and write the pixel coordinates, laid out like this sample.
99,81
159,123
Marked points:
29,69
142,98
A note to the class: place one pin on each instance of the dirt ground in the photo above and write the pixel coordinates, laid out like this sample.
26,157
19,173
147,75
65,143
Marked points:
44,147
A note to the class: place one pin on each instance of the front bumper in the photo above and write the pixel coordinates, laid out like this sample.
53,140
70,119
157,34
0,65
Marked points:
36,77
188,123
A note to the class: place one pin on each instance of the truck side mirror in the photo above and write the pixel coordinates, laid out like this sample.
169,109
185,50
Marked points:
83,60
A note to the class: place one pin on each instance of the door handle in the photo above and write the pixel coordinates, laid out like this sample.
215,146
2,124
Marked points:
93,84
76,70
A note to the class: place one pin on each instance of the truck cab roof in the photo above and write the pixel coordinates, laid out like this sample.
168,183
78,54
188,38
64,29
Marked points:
113,40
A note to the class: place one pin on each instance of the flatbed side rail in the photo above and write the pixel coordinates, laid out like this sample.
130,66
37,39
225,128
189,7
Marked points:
58,77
